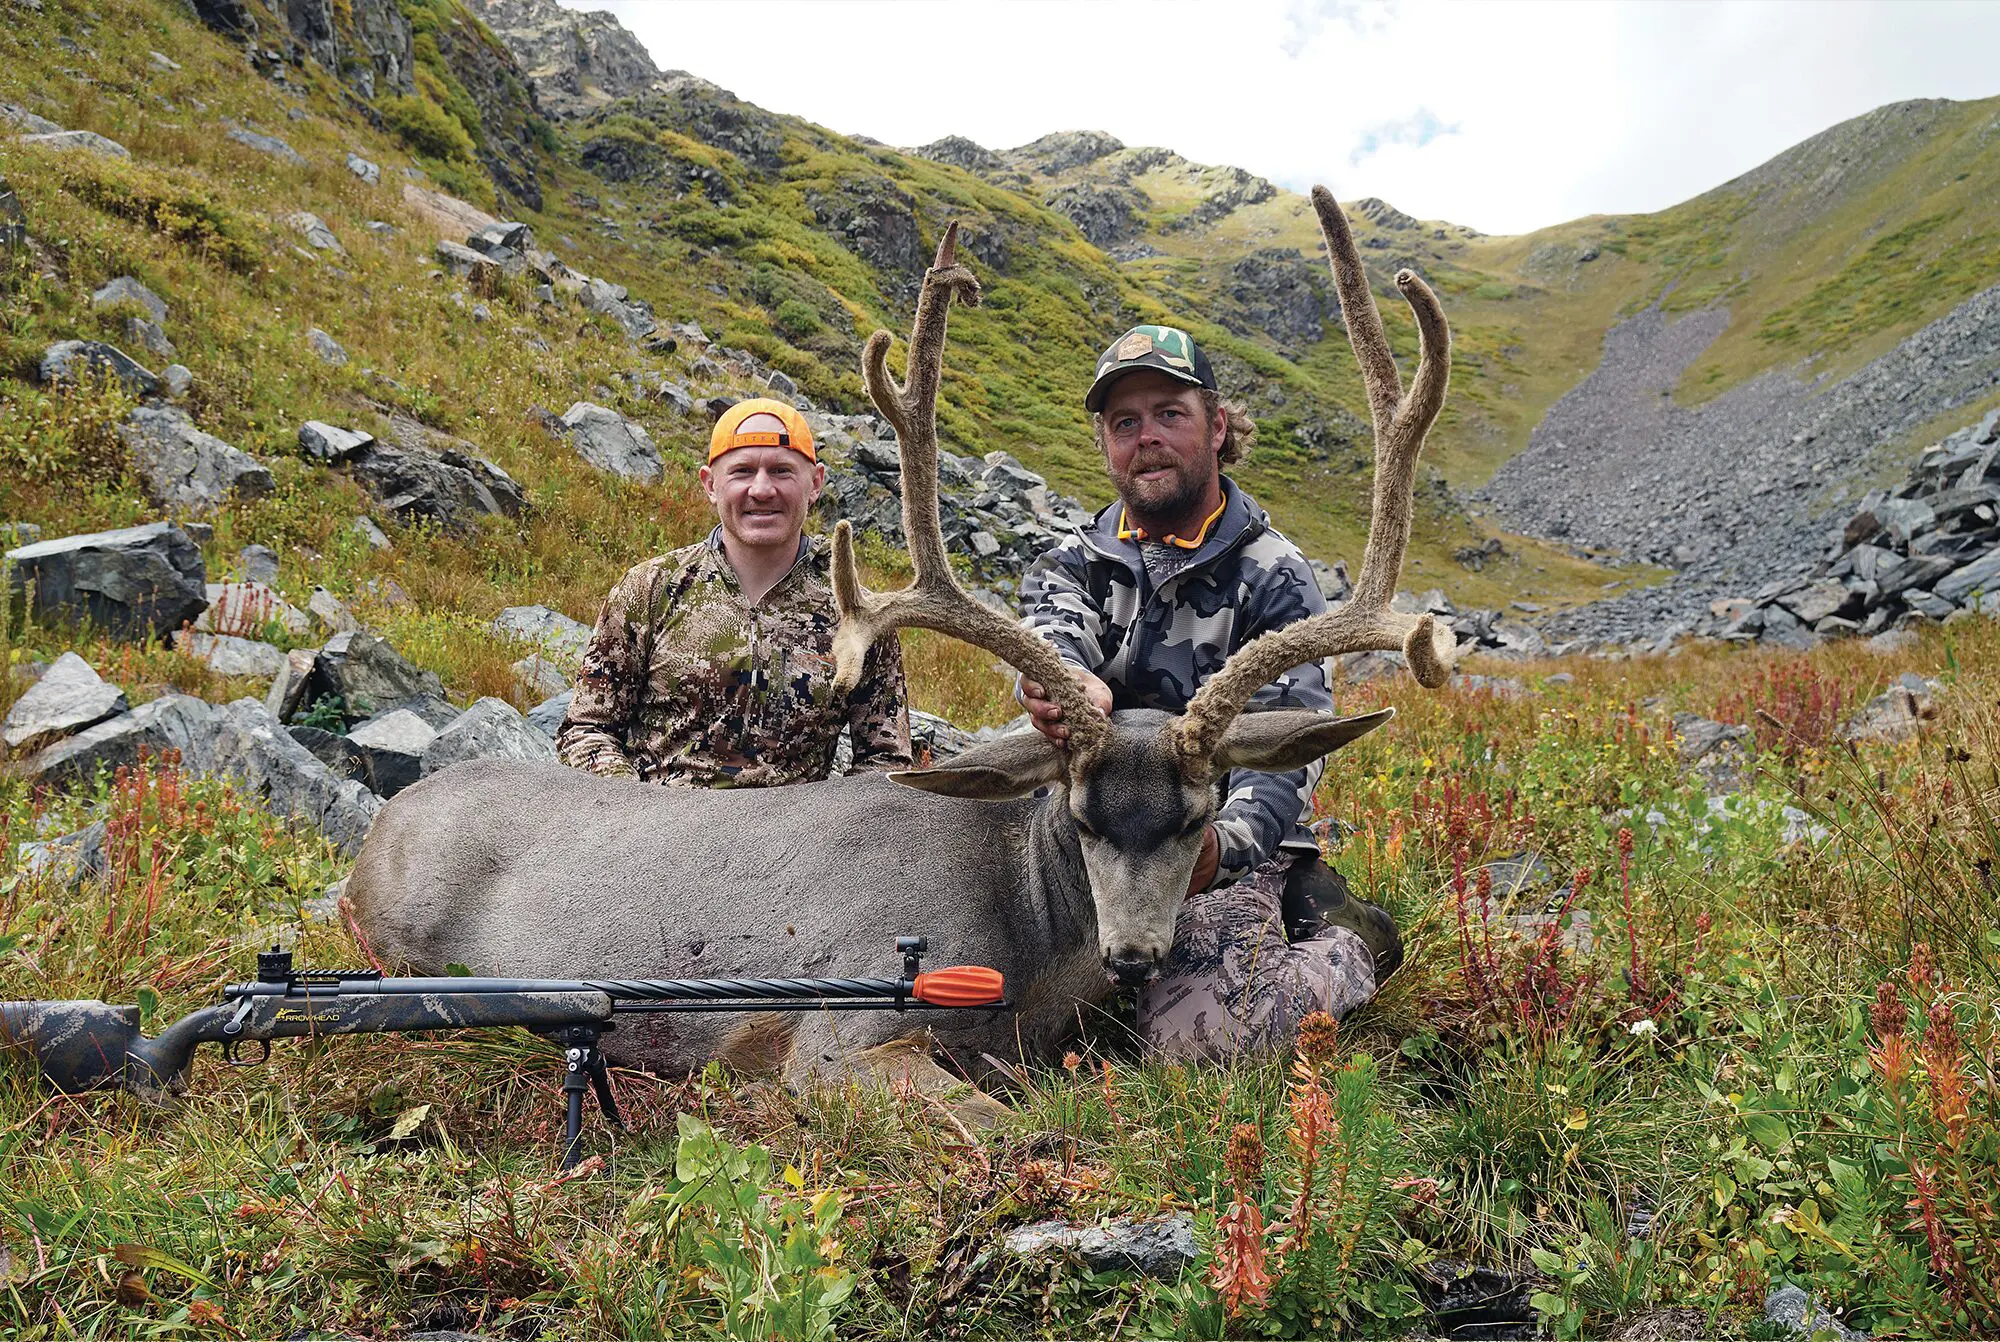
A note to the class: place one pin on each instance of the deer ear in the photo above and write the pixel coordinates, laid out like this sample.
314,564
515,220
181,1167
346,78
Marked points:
1012,766
1291,738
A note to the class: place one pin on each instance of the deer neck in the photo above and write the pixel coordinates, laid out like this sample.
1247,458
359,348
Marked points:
1058,887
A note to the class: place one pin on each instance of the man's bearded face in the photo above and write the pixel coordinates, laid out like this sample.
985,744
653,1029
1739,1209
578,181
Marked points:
1159,445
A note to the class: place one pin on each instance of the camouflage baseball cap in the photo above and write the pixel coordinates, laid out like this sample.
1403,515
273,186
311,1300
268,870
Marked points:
1166,348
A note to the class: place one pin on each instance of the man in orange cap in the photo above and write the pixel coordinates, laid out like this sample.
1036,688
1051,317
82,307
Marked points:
712,665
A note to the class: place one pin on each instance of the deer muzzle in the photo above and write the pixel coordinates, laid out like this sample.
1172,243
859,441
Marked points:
1131,971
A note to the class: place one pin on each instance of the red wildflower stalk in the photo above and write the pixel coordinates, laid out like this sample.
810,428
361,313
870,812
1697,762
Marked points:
1239,1273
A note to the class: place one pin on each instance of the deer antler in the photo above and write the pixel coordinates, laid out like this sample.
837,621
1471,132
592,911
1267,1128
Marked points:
934,600
1364,622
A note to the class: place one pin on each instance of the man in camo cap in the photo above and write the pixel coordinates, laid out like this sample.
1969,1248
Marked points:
712,665
1146,604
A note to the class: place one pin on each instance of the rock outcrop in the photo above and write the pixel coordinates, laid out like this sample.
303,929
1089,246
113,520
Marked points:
576,60
132,583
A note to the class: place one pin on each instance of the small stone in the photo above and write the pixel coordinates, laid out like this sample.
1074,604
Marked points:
25,122
162,61
267,144
370,532
331,612
247,608
1790,1307
292,684
228,655
316,233
1155,1248
393,746
177,381
149,337
69,697
330,443
69,362
67,861
326,347
258,563
71,141
125,289
362,168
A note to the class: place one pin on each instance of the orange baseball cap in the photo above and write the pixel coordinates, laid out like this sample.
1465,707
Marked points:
729,433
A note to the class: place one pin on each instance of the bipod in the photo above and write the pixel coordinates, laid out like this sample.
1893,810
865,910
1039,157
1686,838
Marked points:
584,1069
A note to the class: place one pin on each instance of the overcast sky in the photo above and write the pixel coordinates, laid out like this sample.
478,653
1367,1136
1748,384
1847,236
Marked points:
1503,116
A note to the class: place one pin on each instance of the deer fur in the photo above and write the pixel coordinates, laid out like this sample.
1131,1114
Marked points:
1062,866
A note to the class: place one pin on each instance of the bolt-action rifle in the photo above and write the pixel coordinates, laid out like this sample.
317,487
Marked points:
82,1045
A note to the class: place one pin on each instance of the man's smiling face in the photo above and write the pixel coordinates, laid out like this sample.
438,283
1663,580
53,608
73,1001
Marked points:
761,493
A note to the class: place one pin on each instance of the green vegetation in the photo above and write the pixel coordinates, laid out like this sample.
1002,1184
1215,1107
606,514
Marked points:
1776,1060
1889,285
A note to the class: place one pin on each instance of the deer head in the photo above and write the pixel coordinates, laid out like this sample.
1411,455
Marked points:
1139,790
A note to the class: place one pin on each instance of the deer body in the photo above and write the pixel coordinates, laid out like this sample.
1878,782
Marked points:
539,871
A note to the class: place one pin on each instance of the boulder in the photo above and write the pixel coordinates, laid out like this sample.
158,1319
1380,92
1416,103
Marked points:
185,469
171,722
331,612
68,362
257,563
537,675
24,122
612,300
84,141
547,716
132,583
228,655
362,168
291,689
489,729
177,381
326,347
1897,714
1977,576
340,755
611,442
246,744
392,747
371,676
266,144
125,289
475,269
68,860
330,443
315,231
550,630
425,475
69,697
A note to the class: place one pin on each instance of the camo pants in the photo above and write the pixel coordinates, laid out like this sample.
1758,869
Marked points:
1232,983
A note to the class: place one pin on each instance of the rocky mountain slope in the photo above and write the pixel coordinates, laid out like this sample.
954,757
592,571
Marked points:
713,247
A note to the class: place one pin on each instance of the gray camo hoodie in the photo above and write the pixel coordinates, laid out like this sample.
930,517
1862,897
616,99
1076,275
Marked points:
1092,597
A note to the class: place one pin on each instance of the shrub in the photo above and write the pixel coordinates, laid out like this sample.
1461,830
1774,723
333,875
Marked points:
189,216
427,129
798,319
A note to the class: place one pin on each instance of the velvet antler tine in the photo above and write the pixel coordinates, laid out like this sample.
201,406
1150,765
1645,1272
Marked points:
1357,309
934,600
1365,622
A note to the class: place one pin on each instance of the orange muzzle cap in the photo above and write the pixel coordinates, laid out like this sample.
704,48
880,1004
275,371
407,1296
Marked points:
961,986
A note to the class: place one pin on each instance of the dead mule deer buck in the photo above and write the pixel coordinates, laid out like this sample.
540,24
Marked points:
539,870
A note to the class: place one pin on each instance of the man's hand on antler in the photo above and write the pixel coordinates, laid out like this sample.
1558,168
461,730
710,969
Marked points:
1046,713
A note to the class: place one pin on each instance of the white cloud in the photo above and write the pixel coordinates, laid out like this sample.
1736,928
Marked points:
1504,116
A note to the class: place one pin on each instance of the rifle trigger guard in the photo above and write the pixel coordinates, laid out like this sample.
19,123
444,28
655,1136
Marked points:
233,1052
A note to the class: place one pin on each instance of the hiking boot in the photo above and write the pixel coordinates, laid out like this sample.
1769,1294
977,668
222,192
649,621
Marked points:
1317,898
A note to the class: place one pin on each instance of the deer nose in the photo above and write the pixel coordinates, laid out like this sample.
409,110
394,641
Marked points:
1131,971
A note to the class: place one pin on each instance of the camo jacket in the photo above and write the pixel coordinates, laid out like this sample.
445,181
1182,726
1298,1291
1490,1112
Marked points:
684,682
1092,597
